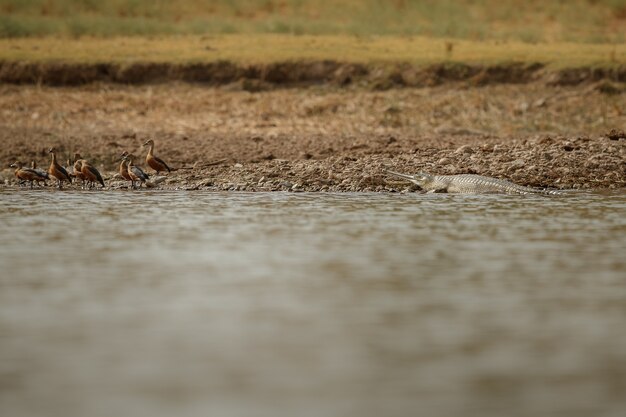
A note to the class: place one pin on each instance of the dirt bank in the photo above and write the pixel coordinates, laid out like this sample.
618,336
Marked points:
326,139
256,77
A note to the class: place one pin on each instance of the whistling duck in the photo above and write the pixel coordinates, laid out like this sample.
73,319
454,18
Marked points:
91,174
43,174
77,169
135,173
28,174
57,171
123,168
154,162
69,167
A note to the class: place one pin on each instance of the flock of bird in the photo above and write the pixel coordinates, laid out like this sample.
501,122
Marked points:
82,170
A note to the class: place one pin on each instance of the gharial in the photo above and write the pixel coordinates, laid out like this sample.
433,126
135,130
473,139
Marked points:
468,184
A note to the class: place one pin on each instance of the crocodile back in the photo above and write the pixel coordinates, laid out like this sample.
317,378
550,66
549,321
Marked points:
478,184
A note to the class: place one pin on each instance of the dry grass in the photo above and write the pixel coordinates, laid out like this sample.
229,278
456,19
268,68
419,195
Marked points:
527,21
274,47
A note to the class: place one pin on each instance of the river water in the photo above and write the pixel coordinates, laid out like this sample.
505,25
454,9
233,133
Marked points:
280,304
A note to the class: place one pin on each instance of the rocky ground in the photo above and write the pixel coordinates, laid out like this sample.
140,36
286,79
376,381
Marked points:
325,138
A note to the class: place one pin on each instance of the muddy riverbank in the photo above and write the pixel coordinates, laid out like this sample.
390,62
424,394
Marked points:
325,138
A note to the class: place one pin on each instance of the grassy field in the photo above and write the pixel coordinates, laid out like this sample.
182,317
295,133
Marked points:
593,21
267,48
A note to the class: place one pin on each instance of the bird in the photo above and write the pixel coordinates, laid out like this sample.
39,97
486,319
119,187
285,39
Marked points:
134,172
77,168
28,174
43,174
91,174
154,162
123,168
69,167
57,171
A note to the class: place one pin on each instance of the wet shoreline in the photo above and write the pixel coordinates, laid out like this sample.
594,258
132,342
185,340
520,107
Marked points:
546,162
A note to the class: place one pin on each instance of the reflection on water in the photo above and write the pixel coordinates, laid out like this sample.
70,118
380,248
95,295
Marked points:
196,304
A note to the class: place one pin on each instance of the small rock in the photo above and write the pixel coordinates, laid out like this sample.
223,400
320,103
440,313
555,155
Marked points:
465,149
545,140
615,134
517,164
523,106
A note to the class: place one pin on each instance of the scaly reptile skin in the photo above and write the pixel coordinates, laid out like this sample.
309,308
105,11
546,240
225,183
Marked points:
468,184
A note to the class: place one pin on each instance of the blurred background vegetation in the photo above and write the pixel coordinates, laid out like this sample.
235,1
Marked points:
592,21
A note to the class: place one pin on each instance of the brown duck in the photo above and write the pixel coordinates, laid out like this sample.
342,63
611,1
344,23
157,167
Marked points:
123,169
43,174
77,168
69,167
57,171
91,174
155,162
28,174
134,172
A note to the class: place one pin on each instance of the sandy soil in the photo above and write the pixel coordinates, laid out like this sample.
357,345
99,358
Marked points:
325,138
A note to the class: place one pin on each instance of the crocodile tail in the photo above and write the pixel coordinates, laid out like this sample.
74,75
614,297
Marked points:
544,191
551,192
531,190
